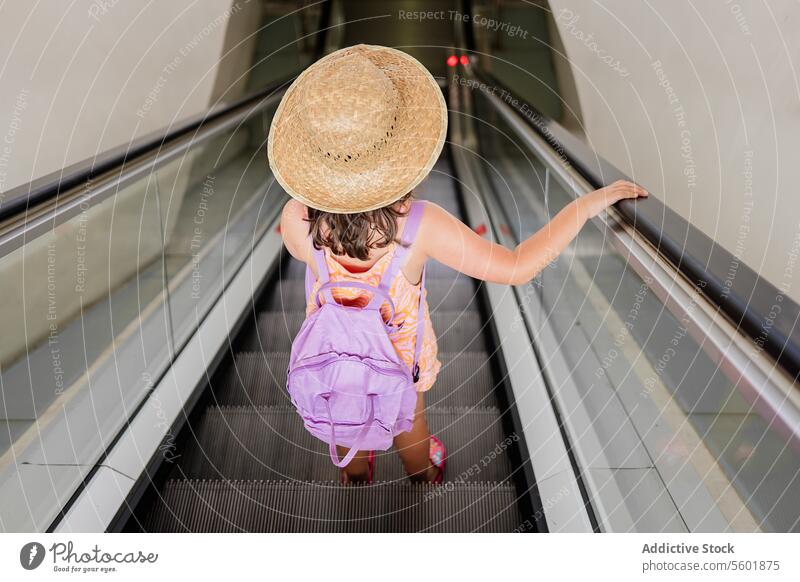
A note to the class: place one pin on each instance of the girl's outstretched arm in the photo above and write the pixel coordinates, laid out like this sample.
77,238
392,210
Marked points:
451,242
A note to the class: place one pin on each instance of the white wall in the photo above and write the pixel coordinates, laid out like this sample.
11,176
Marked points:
733,67
78,78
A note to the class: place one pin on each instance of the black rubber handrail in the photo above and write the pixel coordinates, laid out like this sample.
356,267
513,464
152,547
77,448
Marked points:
752,303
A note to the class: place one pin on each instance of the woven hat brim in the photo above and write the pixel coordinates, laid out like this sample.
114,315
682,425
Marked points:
310,175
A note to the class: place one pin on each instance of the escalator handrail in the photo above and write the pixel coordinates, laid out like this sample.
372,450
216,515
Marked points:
65,195
19,200
678,241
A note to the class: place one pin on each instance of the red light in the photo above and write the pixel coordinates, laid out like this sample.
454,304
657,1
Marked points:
480,229
464,60
452,61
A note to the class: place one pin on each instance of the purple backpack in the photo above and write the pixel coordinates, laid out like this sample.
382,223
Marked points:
345,378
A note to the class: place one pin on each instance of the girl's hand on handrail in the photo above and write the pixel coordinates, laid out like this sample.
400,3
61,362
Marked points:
593,203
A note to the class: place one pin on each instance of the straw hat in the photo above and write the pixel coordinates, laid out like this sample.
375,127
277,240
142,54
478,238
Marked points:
357,130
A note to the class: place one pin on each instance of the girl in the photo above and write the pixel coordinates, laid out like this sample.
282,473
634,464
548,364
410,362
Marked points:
352,137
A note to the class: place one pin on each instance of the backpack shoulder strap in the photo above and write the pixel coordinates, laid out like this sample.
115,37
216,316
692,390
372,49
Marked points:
322,269
413,221
406,239
401,251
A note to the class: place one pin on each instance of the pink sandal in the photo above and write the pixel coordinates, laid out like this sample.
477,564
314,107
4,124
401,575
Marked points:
370,464
437,456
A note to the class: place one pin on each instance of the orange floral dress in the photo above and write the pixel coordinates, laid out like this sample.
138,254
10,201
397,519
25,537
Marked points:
406,301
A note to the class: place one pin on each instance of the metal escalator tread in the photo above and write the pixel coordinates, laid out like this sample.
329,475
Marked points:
456,331
259,378
443,295
270,442
274,506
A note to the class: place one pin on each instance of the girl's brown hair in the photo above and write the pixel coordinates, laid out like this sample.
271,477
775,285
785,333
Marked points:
356,234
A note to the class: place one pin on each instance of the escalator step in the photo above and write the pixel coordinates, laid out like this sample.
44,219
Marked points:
443,295
259,379
270,506
270,442
456,331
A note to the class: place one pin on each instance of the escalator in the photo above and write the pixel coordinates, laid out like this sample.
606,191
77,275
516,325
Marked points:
244,461
626,388
555,399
